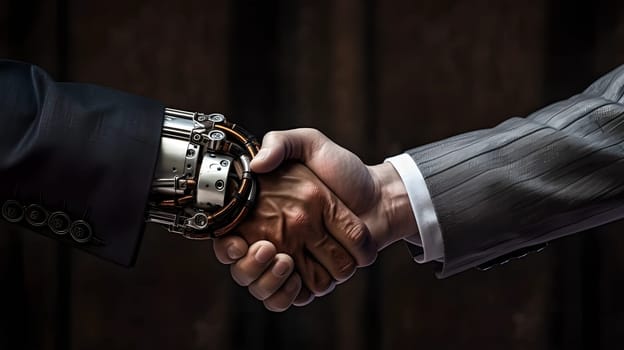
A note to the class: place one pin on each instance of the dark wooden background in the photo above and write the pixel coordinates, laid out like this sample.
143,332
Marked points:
377,76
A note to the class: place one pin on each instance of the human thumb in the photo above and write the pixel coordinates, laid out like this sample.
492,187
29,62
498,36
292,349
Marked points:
279,146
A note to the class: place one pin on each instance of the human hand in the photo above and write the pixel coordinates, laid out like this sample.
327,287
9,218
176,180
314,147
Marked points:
304,219
268,275
374,193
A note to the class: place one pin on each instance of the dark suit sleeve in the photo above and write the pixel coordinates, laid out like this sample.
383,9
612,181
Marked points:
81,150
529,180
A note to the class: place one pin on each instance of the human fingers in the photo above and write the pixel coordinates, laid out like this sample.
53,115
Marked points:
273,277
285,296
230,248
304,297
250,267
278,146
340,169
348,229
315,276
333,256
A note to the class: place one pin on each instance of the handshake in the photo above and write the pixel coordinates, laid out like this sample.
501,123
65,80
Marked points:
321,213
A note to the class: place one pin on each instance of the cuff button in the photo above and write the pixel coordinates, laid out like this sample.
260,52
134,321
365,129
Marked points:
12,211
36,215
81,231
59,222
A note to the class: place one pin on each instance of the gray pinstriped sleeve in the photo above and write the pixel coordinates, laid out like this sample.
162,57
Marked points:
529,180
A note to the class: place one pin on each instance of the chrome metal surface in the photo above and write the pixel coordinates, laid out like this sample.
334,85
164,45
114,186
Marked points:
212,180
202,183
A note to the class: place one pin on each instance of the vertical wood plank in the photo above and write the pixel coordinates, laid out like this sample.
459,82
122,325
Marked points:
323,60
5,241
569,69
29,273
254,77
177,295
356,303
445,68
308,52
347,75
4,25
609,304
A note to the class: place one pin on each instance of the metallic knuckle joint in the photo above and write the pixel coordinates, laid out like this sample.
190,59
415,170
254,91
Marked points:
203,186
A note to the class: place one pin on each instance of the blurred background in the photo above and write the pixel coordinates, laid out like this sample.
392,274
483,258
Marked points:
378,77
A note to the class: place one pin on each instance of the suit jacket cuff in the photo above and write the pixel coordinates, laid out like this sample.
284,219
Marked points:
428,243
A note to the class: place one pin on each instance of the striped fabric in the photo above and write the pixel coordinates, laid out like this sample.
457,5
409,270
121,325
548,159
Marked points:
529,180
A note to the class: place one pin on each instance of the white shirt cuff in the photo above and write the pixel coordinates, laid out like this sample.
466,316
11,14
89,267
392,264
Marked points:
422,206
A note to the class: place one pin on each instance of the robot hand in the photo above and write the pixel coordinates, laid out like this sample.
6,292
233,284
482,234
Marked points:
203,186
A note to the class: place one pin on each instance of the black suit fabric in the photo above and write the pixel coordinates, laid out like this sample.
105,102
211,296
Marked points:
80,149
529,180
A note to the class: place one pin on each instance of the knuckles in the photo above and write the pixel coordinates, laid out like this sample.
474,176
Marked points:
346,270
312,133
322,284
359,238
300,217
357,234
316,278
272,136
309,191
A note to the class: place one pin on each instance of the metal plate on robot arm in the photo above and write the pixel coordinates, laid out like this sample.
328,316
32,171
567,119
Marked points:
180,122
202,184
172,161
178,158
212,180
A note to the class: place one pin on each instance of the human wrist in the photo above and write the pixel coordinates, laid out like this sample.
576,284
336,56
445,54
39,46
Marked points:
394,219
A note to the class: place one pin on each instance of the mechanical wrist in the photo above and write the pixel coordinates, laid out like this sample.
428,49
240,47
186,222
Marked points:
203,186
